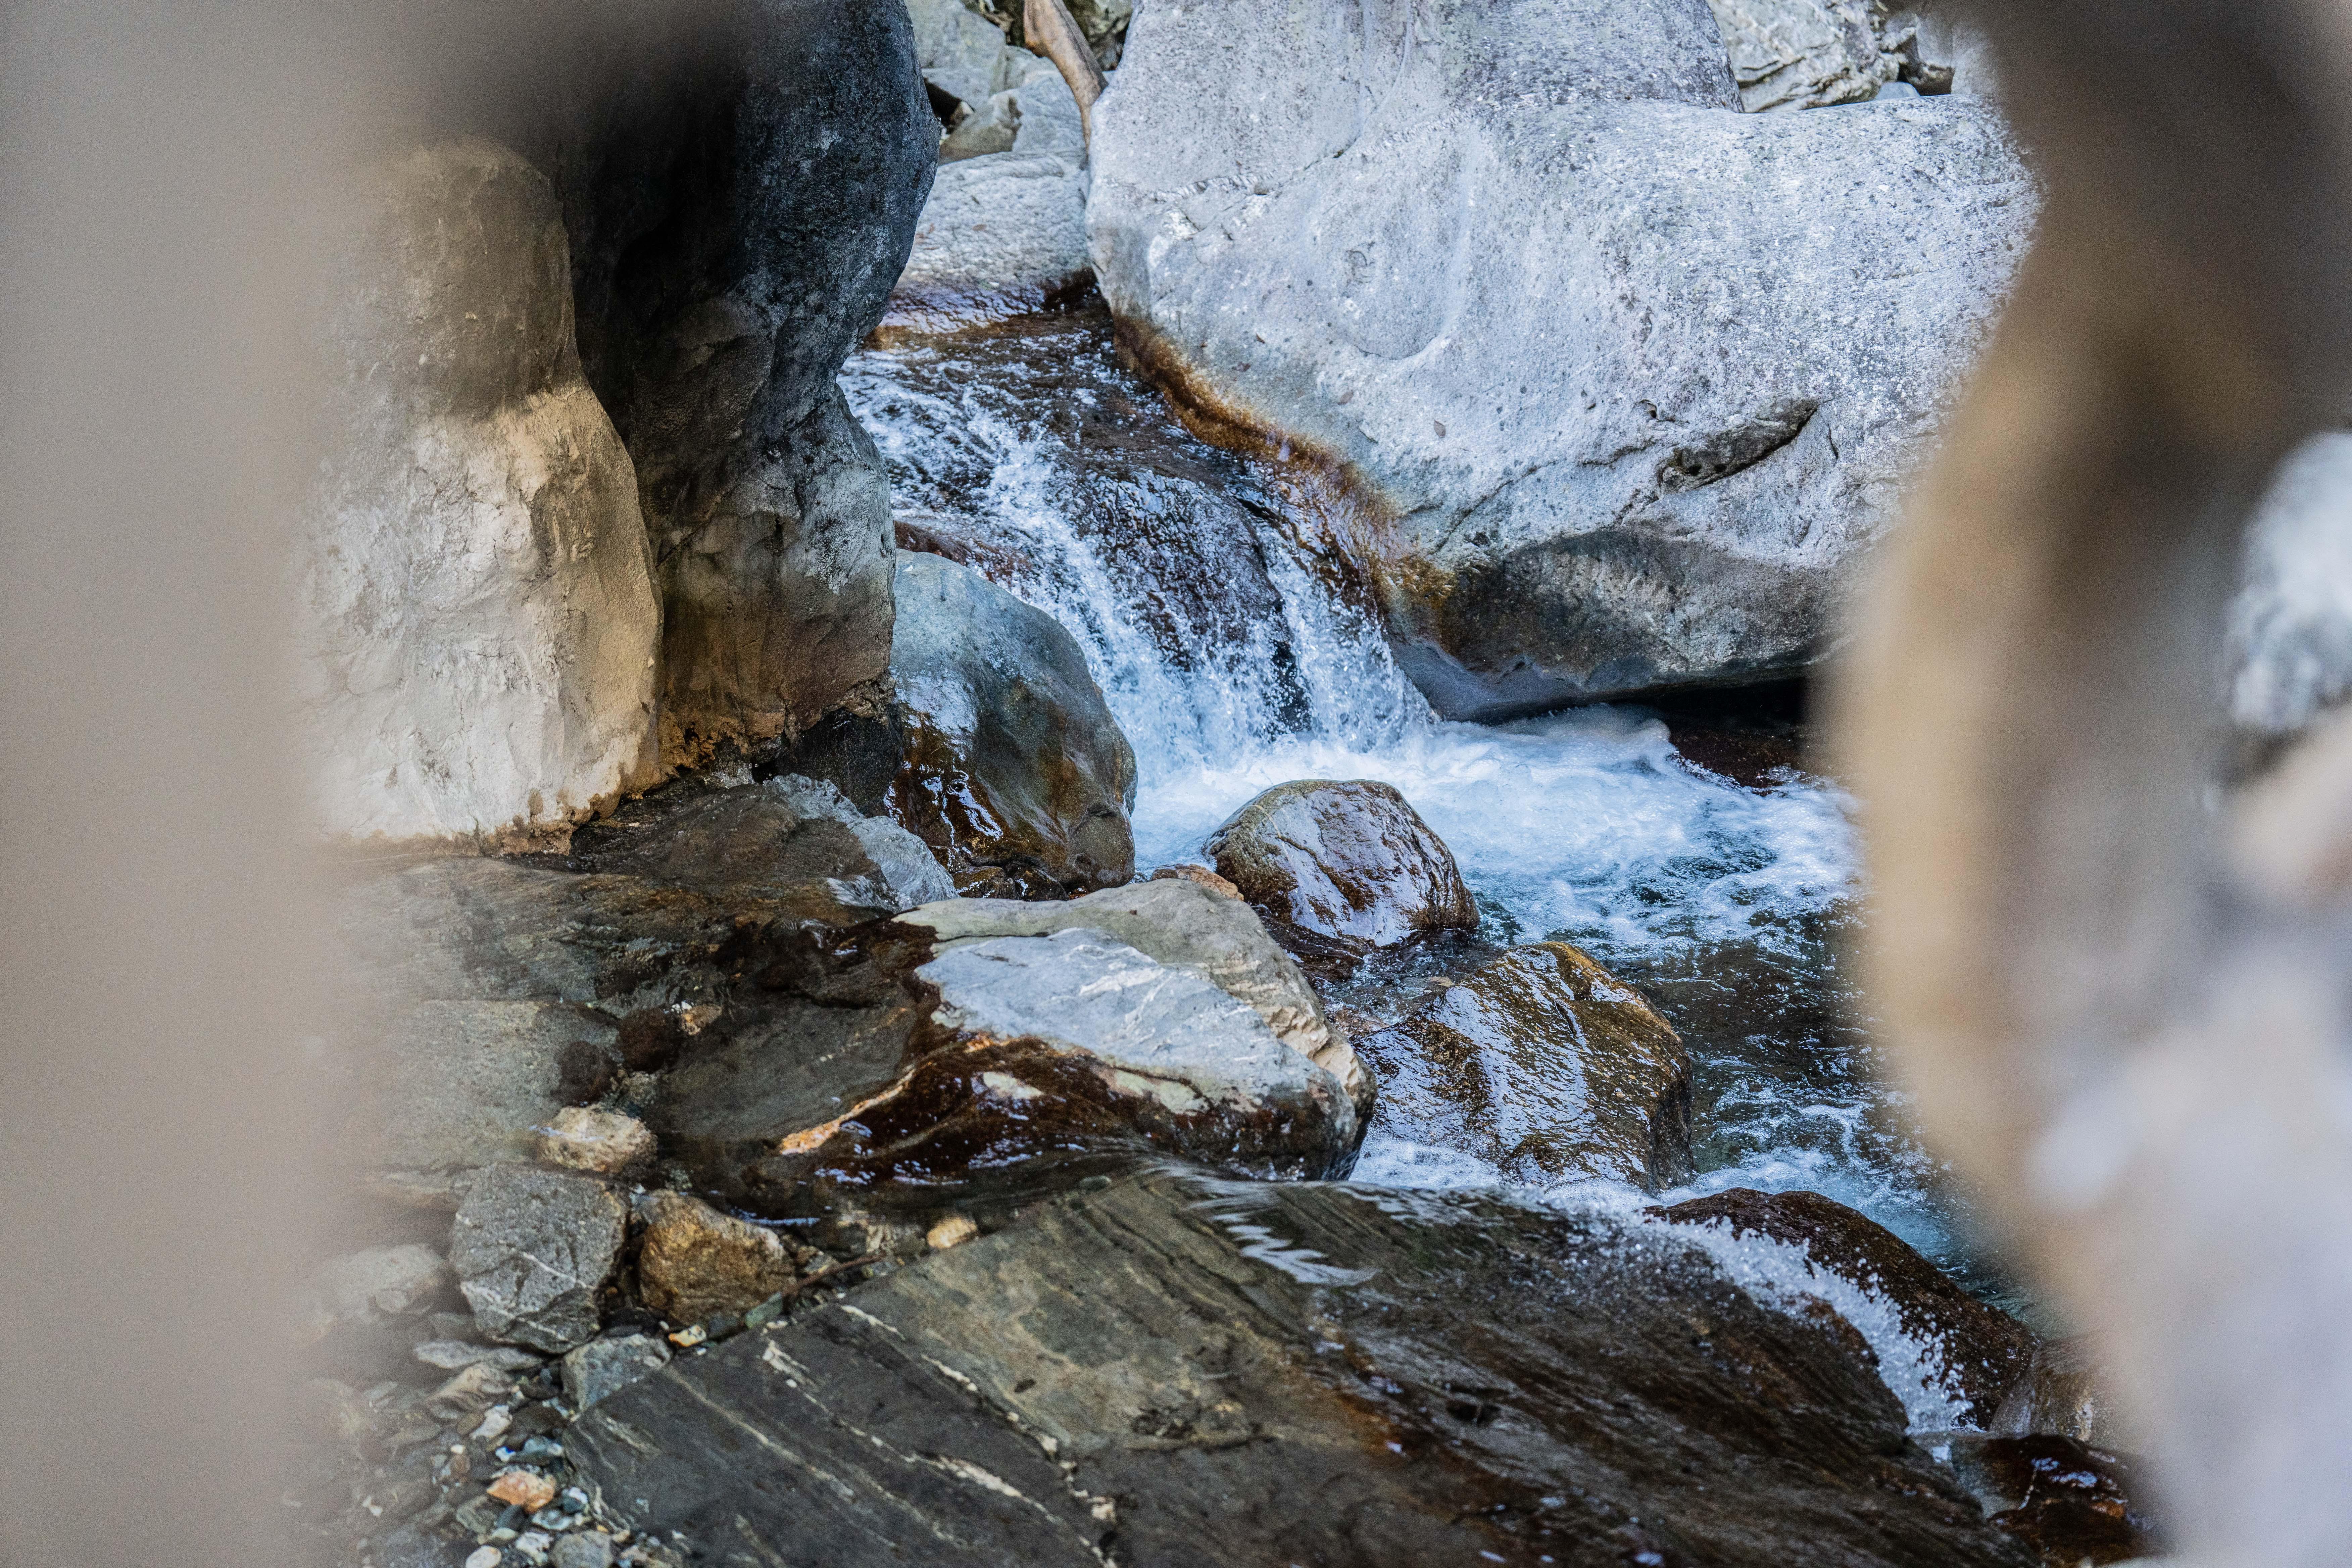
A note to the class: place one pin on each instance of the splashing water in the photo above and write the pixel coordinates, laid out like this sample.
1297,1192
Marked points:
1224,635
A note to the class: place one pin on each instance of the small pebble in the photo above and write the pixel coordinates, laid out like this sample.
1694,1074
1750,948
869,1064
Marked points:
524,1490
495,1421
952,1231
486,1557
687,1338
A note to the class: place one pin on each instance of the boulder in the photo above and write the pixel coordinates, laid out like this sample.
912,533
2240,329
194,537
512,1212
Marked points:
696,1262
1351,863
1014,770
478,616
1005,227
1545,1066
1181,1371
1805,54
1617,383
2066,1503
740,181
1986,1352
532,1251
1176,923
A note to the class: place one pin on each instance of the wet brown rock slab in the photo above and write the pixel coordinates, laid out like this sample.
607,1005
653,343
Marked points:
1177,1371
2066,1501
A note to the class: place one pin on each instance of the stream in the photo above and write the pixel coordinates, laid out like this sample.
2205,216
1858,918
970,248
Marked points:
1222,628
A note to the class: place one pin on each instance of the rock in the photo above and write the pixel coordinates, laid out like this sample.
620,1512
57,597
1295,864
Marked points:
1351,863
1228,1374
1544,1065
532,1249
604,1141
582,1548
696,1262
525,1489
1620,382
382,1282
2290,632
1201,874
1216,938
454,1355
484,1557
1013,759
602,1367
2066,1503
1986,1350
480,619
1005,227
1804,53
952,1231
464,1082
472,1391
737,218
767,840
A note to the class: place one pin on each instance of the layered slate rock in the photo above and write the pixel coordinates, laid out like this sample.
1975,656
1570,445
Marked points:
1005,227
1341,868
1188,926
1014,770
479,614
1545,1066
1987,1352
1613,383
740,181
1173,1371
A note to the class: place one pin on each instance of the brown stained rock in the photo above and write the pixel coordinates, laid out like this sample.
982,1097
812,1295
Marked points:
523,1488
1201,874
2067,1503
1545,1064
1178,1371
1986,1350
1349,863
696,1262
1016,773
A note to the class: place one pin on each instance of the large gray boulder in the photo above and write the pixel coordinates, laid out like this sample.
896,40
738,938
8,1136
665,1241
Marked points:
1621,380
1015,771
478,616
1005,226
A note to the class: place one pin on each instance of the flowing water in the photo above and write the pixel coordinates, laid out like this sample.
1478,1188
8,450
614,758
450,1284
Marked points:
1222,628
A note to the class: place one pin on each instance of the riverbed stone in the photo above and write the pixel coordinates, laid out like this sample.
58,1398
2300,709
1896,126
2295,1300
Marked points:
1349,862
603,1367
696,1262
1209,1373
532,1249
1015,771
581,1138
477,619
2066,1501
1614,383
1986,1352
1187,926
1544,1065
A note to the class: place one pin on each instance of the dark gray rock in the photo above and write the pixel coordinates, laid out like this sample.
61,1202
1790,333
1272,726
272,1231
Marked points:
1352,864
532,1249
1175,1371
1015,771
1544,1065
459,1083
1622,382
603,1367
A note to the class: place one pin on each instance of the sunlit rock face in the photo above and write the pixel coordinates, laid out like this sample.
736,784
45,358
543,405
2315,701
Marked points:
1342,868
1620,380
479,618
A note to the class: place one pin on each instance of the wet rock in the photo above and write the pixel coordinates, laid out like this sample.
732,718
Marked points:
696,1262
1491,268
1986,1350
777,142
1013,763
1179,1364
532,1249
1350,863
585,1072
1215,937
1005,226
2060,1392
479,614
604,1141
1544,1065
765,840
2068,1504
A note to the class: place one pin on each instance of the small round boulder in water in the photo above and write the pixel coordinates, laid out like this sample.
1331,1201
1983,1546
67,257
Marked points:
1352,862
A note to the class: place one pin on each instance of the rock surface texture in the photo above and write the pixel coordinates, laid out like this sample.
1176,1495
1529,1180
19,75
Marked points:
1005,226
1015,771
1806,53
480,620
532,1251
1544,1065
1350,866
740,181
696,1262
1612,383
1169,1371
